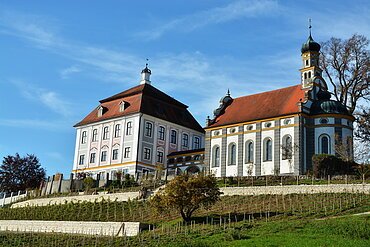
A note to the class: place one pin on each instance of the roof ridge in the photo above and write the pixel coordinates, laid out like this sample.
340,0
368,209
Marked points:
267,91
124,93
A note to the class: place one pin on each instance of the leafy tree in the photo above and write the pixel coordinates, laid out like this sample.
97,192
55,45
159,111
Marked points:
187,193
326,164
20,173
89,183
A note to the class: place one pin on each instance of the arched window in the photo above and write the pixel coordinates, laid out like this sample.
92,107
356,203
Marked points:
216,156
84,137
117,131
148,129
185,140
267,148
287,148
173,136
95,135
305,75
249,151
309,74
129,128
161,133
105,133
324,144
232,154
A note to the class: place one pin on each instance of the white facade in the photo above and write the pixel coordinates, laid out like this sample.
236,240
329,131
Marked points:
127,140
133,150
250,145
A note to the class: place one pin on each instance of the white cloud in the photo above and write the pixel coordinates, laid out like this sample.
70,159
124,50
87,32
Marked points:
65,73
48,98
233,11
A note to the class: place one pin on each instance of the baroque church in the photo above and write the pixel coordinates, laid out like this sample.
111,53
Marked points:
143,130
277,132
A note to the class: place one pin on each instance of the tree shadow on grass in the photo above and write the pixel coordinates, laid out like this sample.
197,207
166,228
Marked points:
232,217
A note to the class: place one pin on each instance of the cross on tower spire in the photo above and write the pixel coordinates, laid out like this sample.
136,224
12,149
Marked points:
309,26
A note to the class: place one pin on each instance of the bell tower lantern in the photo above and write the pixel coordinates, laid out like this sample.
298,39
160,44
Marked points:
310,57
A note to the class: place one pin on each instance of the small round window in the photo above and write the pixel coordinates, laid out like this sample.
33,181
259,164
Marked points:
250,127
324,120
287,121
267,125
232,130
216,133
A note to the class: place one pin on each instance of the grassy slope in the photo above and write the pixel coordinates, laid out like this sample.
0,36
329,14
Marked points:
288,231
300,222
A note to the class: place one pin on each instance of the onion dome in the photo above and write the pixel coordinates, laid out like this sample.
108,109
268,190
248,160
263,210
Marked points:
310,45
224,102
146,70
326,106
226,99
323,95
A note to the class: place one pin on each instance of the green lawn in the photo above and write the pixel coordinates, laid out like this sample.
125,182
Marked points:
281,231
265,220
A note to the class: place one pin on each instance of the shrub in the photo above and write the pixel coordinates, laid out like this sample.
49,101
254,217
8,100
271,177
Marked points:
326,164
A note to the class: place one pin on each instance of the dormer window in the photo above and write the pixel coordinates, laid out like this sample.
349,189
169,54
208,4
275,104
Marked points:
122,106
100,111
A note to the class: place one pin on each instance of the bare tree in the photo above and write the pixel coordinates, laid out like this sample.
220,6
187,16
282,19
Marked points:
363,129
343,148
346,64
288,151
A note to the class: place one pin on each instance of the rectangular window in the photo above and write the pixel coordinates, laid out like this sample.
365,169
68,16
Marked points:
117,131
147,153
185,140
95,135
196,142
127,152
173,136
82,159
115,154
129,128
148,129
105,133
161,133
84,137
103,156
92,158
159,156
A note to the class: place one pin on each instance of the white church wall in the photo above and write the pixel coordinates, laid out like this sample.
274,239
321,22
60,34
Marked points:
215,141
267,167
247,167
231,170
287,165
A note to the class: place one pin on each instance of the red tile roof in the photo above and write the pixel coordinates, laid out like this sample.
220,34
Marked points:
280,102
145,99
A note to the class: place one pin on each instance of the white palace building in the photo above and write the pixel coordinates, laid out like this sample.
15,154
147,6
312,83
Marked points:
133,132
270,133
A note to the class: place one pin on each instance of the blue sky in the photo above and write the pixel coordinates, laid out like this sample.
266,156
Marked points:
58,58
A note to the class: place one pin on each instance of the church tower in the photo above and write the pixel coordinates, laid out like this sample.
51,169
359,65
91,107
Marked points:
310,72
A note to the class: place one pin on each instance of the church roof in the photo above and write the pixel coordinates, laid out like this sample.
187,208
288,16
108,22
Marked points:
145,99
280,102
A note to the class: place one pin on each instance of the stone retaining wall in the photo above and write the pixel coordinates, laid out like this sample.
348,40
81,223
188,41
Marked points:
74,227
228,191
90,198
297,189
